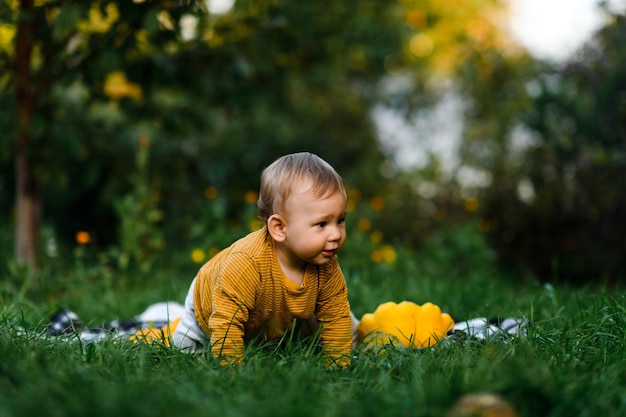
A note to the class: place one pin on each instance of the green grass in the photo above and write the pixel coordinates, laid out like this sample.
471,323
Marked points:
571,363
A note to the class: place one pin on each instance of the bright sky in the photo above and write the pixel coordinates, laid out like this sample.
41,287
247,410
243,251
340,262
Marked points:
555,28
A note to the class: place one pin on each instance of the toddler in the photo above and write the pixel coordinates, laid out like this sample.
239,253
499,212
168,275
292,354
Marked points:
283,276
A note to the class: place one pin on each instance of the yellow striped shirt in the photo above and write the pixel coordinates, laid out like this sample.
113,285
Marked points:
242,294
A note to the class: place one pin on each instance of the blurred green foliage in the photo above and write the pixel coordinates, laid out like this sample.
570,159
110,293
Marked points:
219,96
258,82
557,204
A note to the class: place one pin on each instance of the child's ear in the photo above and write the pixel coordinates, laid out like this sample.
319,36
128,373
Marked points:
276,226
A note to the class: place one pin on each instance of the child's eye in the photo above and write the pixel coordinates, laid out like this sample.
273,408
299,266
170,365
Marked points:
342,220
322,224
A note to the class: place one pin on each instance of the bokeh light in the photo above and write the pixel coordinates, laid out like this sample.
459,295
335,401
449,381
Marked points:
82,237
198,256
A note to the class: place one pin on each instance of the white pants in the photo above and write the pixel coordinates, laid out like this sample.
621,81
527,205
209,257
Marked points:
189,337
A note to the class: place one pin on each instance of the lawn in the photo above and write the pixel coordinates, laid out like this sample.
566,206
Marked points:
572,362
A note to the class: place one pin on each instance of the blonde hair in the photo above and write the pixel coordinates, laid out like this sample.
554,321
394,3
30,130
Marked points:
279,179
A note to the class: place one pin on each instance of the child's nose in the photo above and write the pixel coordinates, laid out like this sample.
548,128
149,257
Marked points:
334,233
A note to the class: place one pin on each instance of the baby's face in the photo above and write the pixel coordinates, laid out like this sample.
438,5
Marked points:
315,226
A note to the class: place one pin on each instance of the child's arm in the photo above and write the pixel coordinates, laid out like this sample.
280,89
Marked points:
233,295
333,314
227,332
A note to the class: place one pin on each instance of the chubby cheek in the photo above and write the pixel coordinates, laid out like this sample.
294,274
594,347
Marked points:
310,242
343,239
344,235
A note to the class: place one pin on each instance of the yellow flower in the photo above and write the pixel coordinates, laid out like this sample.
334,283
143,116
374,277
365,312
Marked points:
7,32
117,86
405,324
416,19
99,22
251,197
421,45
389,254
82,237
385,254
376,237
377,256
377,203
210,192
364,224
197,256
471,204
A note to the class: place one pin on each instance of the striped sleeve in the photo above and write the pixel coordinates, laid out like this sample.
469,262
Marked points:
234,288
333,314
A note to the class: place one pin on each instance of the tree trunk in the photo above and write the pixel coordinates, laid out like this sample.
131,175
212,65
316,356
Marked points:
28,197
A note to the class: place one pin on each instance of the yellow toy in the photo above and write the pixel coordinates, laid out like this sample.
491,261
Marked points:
407,324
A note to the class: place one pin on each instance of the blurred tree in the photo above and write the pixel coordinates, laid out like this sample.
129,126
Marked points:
458,50
558,165
280,77
28,189
218,96
58,54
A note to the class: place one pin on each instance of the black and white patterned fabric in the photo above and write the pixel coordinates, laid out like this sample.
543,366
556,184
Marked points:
65,323
481,328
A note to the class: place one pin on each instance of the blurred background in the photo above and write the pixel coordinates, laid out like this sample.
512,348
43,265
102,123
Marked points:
136,130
